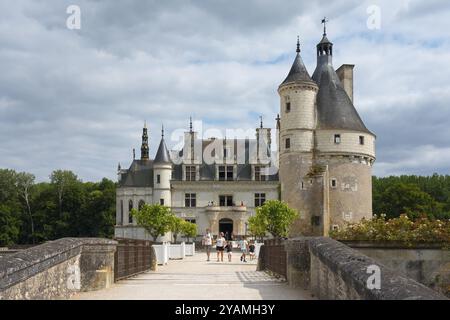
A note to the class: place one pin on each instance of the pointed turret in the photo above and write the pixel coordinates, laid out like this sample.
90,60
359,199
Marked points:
162,155
335,109
298,70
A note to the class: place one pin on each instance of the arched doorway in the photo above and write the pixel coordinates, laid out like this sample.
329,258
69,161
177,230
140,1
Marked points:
226,226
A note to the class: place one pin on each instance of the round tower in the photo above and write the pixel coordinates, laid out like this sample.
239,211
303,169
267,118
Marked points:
296,140
344,146
162,174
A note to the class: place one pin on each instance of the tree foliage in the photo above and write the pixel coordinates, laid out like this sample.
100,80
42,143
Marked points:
156,219
415,196
257,226
276,217
189,230
64,207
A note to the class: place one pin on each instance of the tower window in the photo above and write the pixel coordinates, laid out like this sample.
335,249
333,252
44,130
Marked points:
158,179
337,138
288,143
141,204
161,202
288,107
361,140
190,200
333,183
260,198
190,173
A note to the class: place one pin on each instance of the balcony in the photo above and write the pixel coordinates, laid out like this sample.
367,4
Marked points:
215,208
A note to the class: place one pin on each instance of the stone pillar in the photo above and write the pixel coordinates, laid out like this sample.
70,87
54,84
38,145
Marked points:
298,262
97,264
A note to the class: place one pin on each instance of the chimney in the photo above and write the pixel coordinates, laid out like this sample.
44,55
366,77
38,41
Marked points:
345,74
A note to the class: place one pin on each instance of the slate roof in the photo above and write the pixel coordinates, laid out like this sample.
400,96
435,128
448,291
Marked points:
334,107
140,174
162,155
298,71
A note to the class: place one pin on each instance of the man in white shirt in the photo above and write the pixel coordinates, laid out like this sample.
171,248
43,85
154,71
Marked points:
207,242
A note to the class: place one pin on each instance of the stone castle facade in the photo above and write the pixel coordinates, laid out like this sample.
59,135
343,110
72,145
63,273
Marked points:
325,157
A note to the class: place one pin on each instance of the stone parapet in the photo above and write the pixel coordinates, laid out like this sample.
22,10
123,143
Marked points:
58,269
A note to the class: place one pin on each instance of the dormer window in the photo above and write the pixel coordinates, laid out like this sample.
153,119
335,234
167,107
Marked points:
337,138
259,176
190,173
226,173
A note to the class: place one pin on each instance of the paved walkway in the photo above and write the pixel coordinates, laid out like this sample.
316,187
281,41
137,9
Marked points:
195,279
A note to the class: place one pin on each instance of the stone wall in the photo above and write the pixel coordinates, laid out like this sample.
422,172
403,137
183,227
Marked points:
58,269
427,264
332,270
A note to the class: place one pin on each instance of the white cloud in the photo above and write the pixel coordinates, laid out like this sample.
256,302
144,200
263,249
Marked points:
78,99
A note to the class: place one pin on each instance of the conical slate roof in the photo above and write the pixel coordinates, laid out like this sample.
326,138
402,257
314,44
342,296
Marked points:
298,71
162,155
335,110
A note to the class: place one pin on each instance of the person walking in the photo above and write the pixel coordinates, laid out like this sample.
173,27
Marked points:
207,242
229,248
220,245
243,244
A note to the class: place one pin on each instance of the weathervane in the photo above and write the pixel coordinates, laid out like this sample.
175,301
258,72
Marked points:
324,21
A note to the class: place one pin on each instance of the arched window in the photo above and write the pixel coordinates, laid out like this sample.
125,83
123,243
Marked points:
141,204
130,207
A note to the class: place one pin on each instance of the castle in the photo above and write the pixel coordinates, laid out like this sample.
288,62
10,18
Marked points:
325,157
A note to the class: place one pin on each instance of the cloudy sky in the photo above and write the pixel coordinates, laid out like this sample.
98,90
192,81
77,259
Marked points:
77,99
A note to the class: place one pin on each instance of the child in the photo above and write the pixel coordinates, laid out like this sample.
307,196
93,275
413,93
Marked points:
243,244
229,248
251,249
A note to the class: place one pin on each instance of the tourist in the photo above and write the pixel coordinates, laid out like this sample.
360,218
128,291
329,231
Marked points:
229,248
220,245
243,244
207,242
251,249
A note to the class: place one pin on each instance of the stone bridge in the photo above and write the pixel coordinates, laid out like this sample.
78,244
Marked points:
300,269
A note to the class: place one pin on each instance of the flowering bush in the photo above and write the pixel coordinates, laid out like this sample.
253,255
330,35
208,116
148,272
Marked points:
402,229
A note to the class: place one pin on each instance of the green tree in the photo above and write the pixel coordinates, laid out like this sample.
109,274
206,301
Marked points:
406,198
62,180
279,217
156,219
10,208
176,226
25,183
189,230
257,226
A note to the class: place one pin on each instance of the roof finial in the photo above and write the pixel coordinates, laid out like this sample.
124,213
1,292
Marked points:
261,118
134,153
298,44
145,124
190,124
162,131
324,21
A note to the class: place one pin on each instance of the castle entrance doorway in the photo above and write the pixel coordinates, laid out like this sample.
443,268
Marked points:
226,226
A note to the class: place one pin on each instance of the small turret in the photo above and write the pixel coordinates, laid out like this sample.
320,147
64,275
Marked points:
162,167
